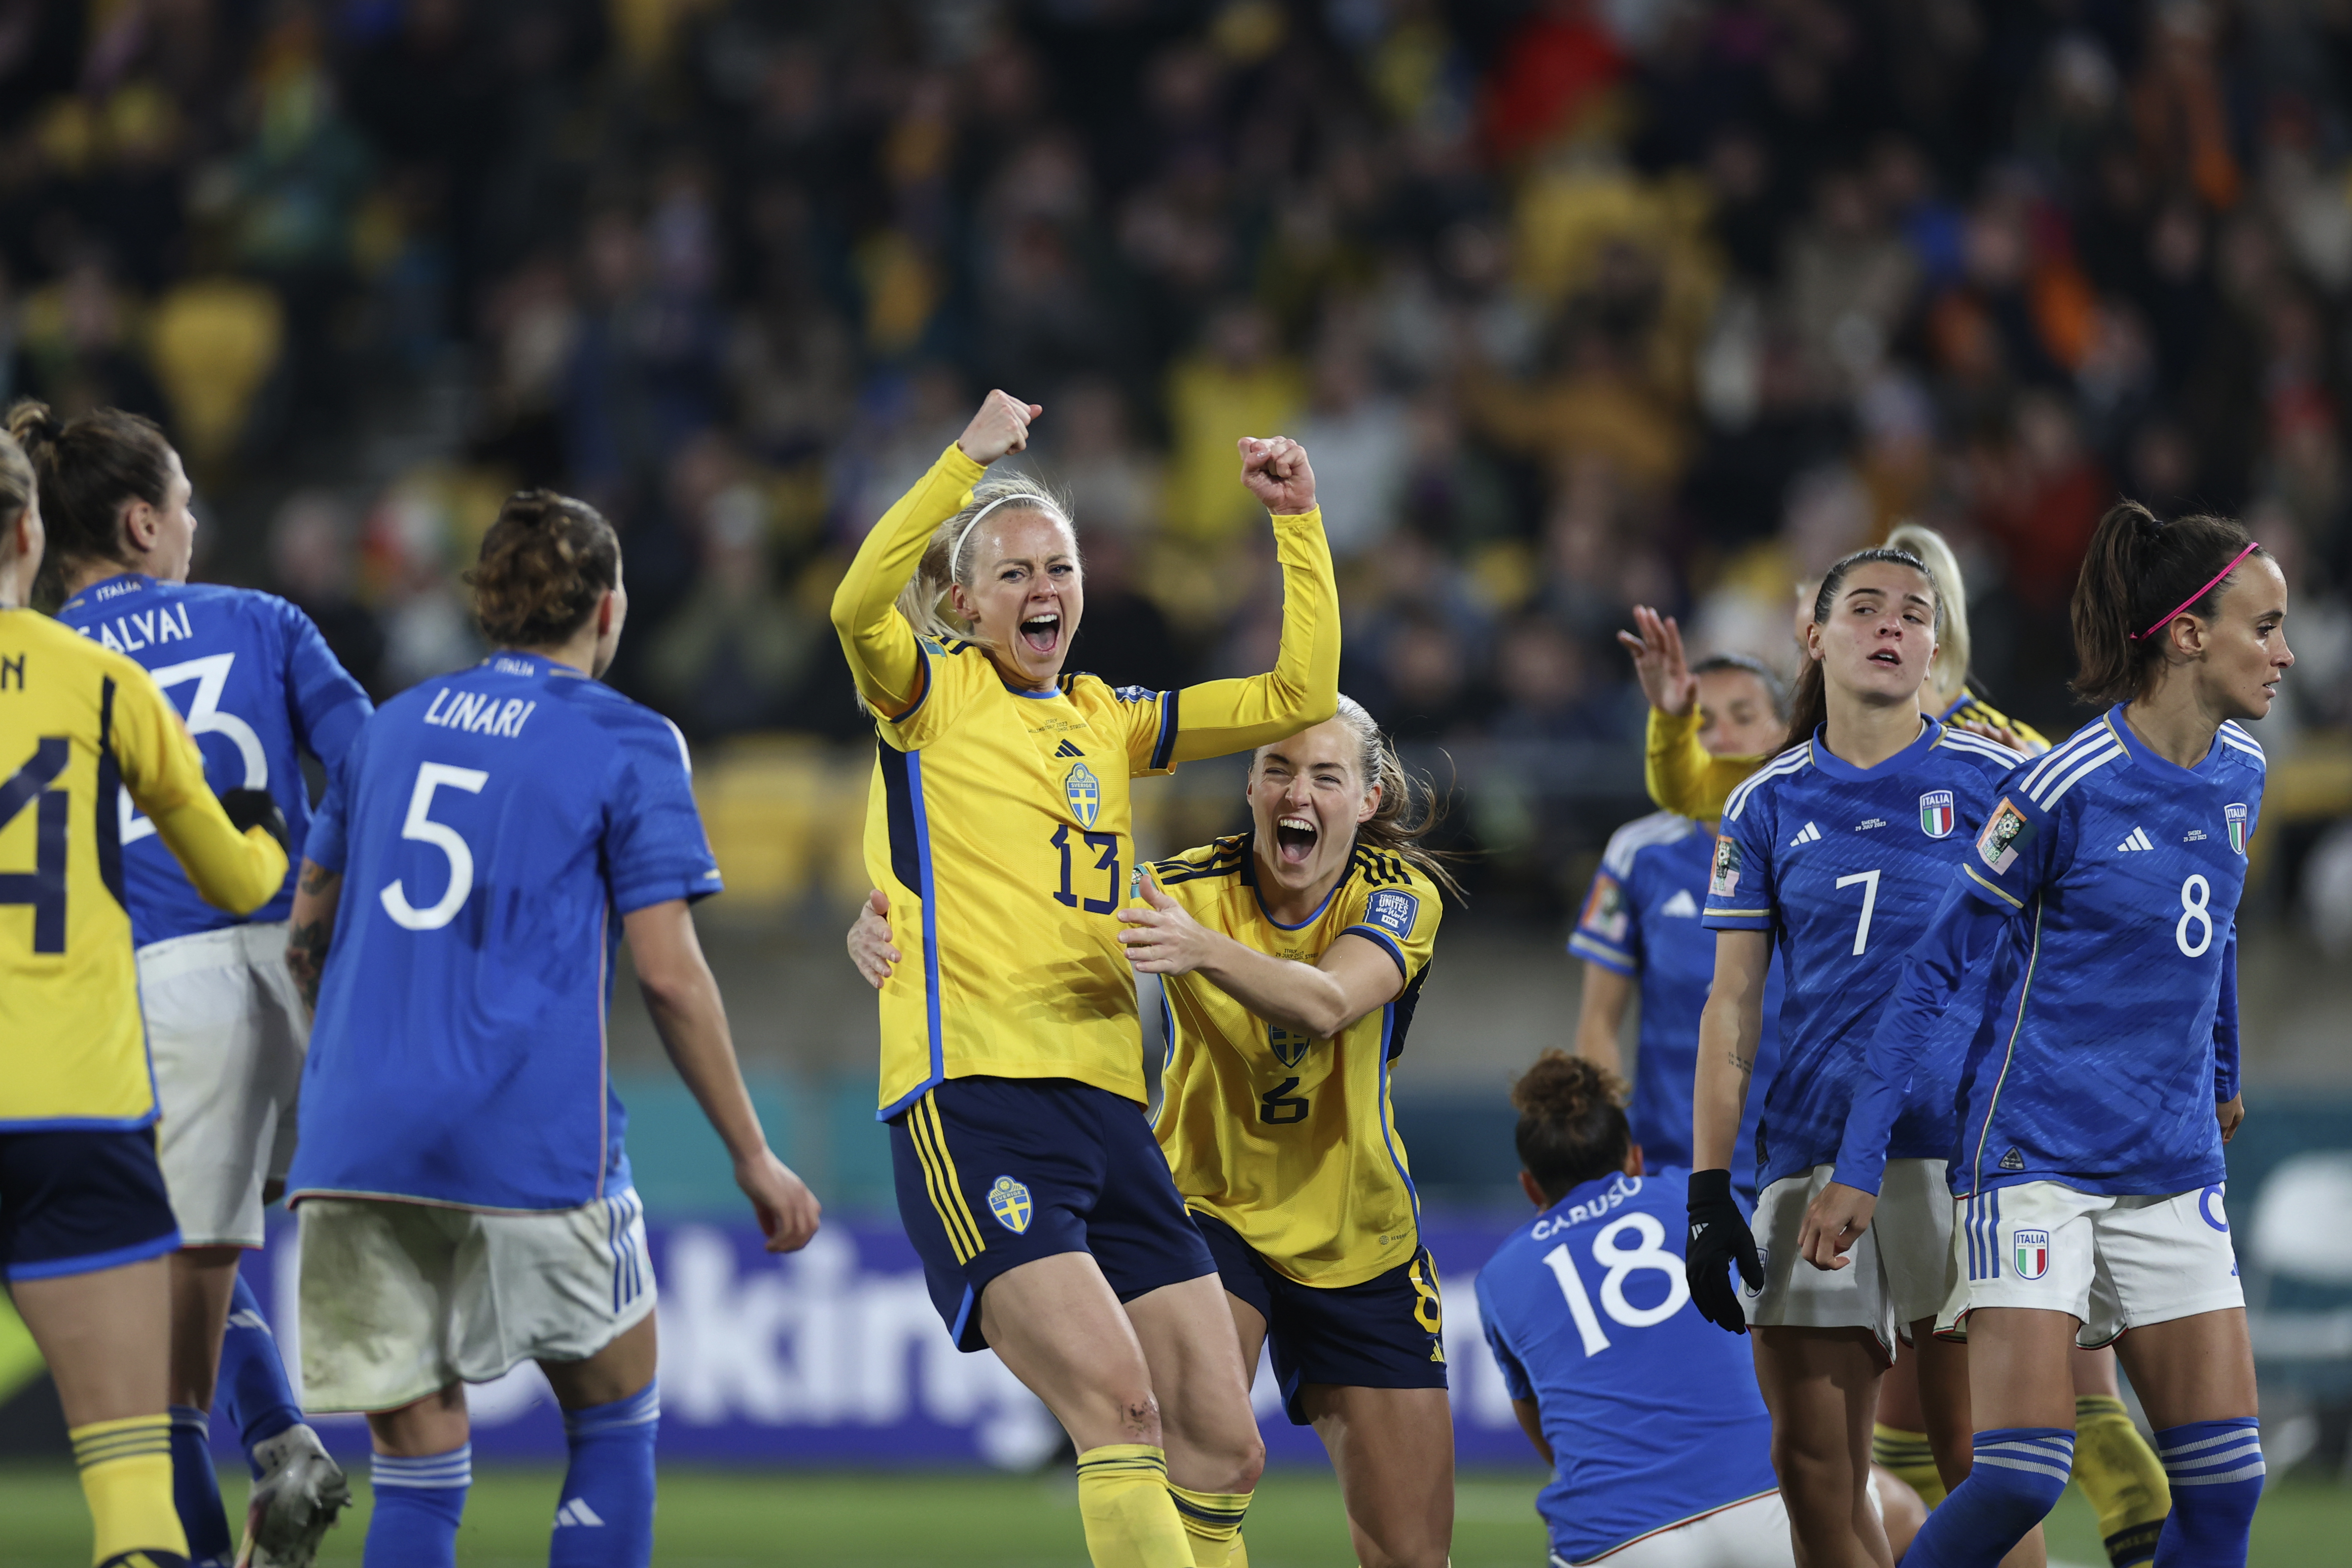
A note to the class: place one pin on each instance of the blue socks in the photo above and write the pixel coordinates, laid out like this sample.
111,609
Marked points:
2216,1471
254,1394
2019,1475
418,1502
195,1487
604,1518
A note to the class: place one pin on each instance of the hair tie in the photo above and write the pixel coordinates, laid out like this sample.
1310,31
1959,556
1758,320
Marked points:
2201,593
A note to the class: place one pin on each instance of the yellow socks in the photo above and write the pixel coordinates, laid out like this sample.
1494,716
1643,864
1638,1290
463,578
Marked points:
1910,1457
1213,1520
1131,1518
126,1473
2120,1475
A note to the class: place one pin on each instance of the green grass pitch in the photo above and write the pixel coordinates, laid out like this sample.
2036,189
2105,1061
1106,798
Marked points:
733,1518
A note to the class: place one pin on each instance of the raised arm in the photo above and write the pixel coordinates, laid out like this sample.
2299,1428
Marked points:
884,655
1216,717
683,997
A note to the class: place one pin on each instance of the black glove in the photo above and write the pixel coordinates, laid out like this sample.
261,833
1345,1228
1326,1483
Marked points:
1719,1237
255,809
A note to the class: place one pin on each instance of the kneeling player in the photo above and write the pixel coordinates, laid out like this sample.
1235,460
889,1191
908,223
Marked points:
463,1196
1660,1446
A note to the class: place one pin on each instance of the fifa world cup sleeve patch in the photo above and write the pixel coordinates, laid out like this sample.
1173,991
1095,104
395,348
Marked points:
1393,912
1605,914
2006,832
1725,880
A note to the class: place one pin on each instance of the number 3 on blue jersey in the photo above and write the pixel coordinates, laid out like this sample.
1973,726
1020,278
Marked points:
204,718
1619,1262
420,826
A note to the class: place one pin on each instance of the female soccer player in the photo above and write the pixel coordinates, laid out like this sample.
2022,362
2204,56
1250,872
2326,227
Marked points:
1686,776
1660,1445
1011,1062
2113,1465
225,1026
461,1181
85,1223
1833,852
2091,1149
1640,925
1292,958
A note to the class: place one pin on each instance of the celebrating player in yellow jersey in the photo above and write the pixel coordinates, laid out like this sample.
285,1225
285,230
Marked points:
1292,958
85,1225
1011,1061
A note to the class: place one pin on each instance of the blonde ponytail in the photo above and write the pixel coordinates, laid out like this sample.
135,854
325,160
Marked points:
1949,673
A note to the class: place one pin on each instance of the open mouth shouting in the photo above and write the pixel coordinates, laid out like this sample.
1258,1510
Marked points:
1293,839
1043,634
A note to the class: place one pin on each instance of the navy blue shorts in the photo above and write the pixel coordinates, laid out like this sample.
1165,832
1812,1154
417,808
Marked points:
74,1203
996,1172
1386,1333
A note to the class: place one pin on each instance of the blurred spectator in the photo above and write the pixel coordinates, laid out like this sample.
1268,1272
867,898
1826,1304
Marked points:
1236,383
732,652
314,563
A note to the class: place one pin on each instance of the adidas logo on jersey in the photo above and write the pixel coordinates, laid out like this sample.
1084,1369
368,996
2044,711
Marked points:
1066,749
1681,904
2013,1160
1805,835
2139,841
577,1511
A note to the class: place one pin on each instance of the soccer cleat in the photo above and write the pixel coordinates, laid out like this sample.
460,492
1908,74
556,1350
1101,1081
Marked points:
294,1504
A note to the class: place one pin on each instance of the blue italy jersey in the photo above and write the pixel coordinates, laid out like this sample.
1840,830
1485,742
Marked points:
256,682
1651,1412
1845,865
2112,877
491,828
1642,918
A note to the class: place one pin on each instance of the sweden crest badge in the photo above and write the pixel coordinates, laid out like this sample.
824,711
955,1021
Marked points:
1084,791
2235,815
1936,813
1009,1201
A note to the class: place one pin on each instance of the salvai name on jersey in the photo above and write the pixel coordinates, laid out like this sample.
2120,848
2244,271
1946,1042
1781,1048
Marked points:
129,633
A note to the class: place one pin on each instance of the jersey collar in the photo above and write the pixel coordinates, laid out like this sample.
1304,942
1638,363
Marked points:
140,581
509,662
2137,749
1837,767
1249,880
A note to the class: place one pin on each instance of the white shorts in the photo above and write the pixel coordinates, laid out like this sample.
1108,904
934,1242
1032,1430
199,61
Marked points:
401,1299
227,1029
2115,1263
1753,1533
1902,1268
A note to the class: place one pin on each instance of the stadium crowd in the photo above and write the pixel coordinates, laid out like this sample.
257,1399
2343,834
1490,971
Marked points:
1578,303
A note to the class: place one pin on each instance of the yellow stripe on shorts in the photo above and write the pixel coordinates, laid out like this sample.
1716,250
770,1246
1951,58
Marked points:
939,1173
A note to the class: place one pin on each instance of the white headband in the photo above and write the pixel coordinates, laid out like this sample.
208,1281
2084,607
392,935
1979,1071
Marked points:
1039,502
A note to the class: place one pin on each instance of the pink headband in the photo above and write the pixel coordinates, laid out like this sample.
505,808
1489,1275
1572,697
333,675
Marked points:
2201,593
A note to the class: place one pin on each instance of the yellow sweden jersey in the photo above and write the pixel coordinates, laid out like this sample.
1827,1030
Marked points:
76,721
999,824
1293,1141
998,820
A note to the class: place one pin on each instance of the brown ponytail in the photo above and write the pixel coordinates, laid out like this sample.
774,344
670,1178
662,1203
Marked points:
1808,707
545,563
2138,568
1573,1124
87,467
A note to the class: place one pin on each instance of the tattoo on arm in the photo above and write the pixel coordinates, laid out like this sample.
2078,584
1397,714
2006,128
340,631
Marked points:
306,955
317,878
1747,1067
